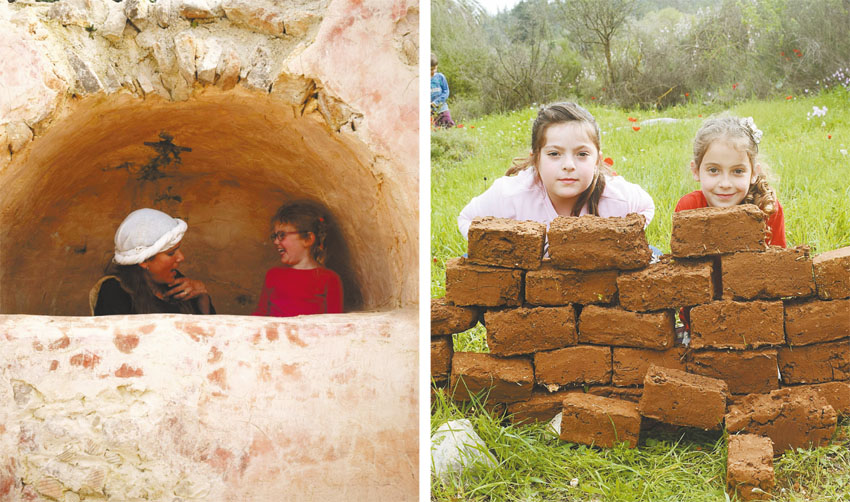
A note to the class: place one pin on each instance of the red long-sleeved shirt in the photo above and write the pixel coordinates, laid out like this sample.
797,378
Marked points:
289,292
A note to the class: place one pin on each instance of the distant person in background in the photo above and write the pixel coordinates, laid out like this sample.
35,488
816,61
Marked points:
142,277
439,94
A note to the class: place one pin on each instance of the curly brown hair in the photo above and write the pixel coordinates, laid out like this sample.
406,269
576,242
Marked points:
735,130
559,113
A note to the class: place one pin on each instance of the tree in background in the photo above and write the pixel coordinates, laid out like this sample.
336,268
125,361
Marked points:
595,22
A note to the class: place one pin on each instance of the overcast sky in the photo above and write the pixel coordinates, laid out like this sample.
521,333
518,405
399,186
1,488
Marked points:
493,6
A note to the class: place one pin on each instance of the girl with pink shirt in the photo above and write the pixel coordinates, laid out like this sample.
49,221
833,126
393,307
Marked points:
562,176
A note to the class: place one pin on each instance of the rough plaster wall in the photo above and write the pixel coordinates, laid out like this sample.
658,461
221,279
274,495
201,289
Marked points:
185,408
275,99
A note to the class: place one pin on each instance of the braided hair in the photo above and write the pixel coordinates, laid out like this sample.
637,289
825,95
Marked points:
307,217
559,113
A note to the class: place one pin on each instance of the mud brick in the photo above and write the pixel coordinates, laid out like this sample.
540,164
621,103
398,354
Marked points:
816,321
794,417
714,230
526,330
832,273
621,328
551,286
775,273
542,407
837,394
468,284
599,421
632,394
508,380
745,372
678,398
583,364
750,466
630,365
595,243
448,319
737,325
504,242
441,357
823,362
667,284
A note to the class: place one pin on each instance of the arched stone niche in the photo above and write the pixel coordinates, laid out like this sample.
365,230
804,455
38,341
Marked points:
217,123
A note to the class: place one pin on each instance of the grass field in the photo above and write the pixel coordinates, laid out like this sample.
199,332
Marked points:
811,164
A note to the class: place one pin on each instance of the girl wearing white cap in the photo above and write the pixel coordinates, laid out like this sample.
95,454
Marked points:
143,276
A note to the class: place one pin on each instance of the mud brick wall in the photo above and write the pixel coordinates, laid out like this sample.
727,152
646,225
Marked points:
593,315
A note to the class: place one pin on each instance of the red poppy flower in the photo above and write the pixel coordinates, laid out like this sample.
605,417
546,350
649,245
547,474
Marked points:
608,160
782,54
734,86
593,97
460,125
687,94
799,55
472,127
604,89
797,51
632,119
636,128
435,260
789,97
700,115
829,136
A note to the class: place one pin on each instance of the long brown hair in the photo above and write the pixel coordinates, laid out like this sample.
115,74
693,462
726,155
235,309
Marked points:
558,113
136,281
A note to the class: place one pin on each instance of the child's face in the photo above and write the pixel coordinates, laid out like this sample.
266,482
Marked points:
567,163
724,174
293,248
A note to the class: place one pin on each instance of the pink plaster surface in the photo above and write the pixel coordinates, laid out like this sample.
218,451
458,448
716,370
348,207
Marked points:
214,408
355,57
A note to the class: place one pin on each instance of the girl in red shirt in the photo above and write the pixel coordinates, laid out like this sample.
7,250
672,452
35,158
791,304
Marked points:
302,285
727,168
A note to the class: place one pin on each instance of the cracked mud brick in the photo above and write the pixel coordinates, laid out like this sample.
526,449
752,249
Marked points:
504,242
737,325
526,330
749,467
551,286
448,319
468,284
441,358
775,273
678,398
744,371
822,362
583,364
630,365
596,243
599,421
542,407
794,417
621,328
713,230
832,273
667,284
816,321
508,379
837,394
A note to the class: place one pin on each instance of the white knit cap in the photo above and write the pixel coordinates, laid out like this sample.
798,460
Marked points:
144,233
